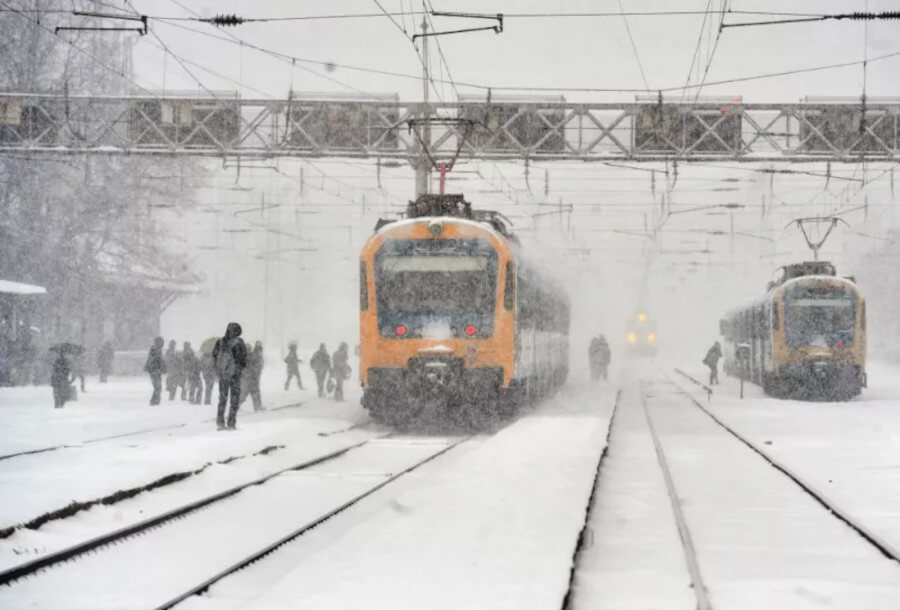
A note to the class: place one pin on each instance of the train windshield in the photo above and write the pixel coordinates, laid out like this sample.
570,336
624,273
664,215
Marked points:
444,282
824,318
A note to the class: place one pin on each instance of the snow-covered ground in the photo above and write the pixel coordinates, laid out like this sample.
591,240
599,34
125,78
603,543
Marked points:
492,524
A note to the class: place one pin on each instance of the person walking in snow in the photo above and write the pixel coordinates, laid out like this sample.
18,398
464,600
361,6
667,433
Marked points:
230,358
253,376
61,379
320,363
712,361
340,371
155,367
105,357
169,360
599,357
208,371
192,373
293,367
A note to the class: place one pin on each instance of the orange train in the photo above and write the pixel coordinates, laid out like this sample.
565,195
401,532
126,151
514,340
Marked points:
453,319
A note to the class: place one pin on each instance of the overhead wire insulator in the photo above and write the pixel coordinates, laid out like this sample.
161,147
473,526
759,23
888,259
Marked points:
225,20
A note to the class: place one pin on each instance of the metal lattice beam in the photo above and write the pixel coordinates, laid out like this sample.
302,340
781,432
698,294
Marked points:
640,131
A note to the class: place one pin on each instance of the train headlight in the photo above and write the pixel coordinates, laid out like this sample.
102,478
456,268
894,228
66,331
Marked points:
435,229
651,337
642,317
632,337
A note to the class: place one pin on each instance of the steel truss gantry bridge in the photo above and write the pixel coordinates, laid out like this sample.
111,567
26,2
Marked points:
226,125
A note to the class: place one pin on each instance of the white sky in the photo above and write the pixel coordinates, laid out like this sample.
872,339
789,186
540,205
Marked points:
590,52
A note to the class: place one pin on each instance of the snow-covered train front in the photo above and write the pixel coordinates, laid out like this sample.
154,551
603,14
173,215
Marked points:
453,320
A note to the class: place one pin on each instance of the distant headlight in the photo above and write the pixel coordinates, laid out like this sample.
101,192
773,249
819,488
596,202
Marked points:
632,337
651,337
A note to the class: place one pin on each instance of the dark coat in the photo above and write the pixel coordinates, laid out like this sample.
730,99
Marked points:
62,373
292,361
232,341
191,364
713,356
339,367
105,357
155,363
320,362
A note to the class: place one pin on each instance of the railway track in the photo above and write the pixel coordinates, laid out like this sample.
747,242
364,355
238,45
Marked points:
883,546
130,434
129,556
585,535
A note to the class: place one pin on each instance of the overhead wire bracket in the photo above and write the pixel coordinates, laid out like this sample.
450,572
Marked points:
498,28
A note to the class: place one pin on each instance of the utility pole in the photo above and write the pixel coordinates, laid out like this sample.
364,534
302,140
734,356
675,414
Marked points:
423,162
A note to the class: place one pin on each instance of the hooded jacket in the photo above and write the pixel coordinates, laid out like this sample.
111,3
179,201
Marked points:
233,343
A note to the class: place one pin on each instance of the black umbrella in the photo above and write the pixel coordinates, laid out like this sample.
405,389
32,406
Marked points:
68,349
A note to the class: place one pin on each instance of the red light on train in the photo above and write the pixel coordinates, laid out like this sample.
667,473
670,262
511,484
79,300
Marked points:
401,330
470,329
840,342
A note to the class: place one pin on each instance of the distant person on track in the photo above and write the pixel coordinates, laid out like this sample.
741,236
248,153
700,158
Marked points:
105,357
230,358
192,373
713,355
320,363
599,357
61,379
292,361
340,371
253,376
155,367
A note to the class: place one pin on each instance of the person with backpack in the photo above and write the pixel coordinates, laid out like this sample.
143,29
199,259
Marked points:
293,367
155,367
320,363
252,376
230,358
712,361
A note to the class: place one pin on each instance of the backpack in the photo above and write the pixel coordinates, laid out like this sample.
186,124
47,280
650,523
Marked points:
225,365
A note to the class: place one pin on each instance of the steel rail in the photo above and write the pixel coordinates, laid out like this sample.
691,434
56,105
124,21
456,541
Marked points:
585,536
246,561
690,553
19,571
887,549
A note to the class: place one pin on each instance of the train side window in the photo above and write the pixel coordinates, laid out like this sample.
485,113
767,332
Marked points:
509,294
363,287
775,321
862,315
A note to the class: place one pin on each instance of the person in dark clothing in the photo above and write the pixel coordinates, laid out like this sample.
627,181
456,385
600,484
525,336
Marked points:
105,357
320,363
61,379
293,367
208,370
340,370
230,358
712,361
155,367
599,357
177,378
192,373
252,376
169,360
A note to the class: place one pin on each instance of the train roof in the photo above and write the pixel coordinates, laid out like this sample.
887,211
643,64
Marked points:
453,206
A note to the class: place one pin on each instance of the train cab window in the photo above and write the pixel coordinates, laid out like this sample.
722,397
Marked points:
363,287
775,321
862,314
509,295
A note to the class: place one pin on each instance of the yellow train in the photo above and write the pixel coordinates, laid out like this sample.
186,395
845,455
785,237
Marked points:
805,338
453,319
641,335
